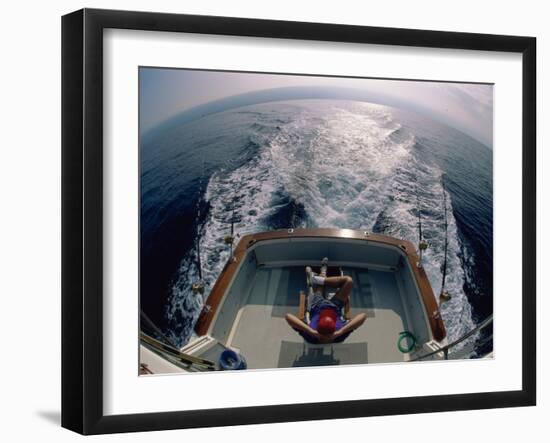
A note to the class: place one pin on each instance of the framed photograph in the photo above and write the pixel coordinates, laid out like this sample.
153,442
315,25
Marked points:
270,221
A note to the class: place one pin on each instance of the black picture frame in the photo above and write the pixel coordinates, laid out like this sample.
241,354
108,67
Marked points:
82,218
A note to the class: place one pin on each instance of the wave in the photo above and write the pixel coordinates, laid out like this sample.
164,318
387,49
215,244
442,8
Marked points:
348,165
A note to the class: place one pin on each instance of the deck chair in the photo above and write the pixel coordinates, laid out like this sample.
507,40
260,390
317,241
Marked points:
302,310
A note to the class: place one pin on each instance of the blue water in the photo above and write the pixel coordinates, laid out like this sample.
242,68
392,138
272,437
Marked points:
311,163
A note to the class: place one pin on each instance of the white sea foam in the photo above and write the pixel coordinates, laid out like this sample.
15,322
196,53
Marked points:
349,165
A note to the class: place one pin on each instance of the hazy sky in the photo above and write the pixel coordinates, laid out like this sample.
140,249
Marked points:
167,92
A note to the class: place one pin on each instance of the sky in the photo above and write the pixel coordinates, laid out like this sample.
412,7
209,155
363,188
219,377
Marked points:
165,93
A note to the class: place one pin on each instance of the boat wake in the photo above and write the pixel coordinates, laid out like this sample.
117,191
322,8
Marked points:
345,164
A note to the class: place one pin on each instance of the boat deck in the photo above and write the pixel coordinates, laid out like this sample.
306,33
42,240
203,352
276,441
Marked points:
275,291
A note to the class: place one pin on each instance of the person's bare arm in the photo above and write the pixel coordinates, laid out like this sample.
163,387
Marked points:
298,324
353,324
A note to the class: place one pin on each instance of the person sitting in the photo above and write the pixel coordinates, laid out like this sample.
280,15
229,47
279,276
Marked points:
325,315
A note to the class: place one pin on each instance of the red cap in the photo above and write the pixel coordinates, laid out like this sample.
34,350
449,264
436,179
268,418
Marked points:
327,322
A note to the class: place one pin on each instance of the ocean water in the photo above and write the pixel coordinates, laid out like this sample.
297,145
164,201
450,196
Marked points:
312,163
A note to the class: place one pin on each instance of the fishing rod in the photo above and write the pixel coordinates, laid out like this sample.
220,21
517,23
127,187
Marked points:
198,252
444,295
484,324
198,286
167,347
229,239
422,244
419,215
233,212
155,328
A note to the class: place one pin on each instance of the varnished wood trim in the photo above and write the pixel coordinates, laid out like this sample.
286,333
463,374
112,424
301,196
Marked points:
216,294
302,306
